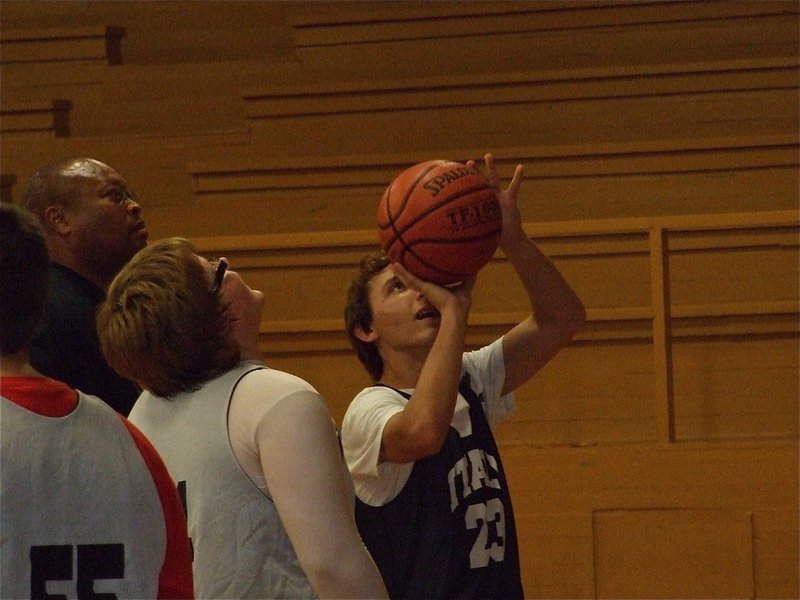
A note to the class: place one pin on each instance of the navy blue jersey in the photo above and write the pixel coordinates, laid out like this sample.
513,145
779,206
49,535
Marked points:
450,532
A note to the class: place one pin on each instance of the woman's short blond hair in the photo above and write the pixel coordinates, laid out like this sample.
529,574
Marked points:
163,325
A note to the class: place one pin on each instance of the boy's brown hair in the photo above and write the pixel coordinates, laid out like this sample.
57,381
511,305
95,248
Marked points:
163,325
357,311
24,269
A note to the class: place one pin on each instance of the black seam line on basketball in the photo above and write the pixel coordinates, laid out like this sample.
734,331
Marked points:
407,195
433,208
429,265
387,194
390,217
440,241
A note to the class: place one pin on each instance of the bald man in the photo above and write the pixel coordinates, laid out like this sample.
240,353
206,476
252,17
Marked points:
93,227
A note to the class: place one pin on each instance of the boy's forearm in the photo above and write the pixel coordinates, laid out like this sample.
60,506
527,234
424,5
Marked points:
437,386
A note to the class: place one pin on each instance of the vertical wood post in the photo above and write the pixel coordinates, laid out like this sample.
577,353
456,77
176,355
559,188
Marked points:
662,335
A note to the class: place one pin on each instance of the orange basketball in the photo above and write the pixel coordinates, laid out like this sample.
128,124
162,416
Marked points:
440,220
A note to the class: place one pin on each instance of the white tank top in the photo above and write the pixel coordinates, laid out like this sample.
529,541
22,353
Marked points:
80,510
241,549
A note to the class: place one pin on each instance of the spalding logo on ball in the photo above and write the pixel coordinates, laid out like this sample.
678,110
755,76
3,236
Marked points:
440,220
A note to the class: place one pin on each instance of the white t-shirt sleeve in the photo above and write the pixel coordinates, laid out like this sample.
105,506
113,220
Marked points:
487,373
362,432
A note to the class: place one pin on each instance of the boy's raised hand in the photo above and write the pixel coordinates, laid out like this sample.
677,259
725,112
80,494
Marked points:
507,198
460,295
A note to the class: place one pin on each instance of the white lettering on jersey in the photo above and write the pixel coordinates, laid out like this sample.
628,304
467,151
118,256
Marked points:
474,470
490,543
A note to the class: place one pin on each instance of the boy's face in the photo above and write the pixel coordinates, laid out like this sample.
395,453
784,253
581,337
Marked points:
402,318
244,304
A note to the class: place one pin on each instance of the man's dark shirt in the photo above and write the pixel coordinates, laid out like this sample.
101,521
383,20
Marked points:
66,346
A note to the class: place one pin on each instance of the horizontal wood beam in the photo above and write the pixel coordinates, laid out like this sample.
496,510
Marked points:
326,23
458,92
37,117
786,222
62,45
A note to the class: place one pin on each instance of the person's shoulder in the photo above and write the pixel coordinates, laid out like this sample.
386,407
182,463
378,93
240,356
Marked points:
115,423
371,392
280,378
99,405
484,357
66,280
372,398
70,295
272,385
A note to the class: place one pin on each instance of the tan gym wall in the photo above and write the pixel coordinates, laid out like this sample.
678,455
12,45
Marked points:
656,456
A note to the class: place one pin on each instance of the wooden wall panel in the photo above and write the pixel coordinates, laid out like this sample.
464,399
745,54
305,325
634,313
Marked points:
587,34
591,393
742,387
542,14
594,121
167,32
758,476
48,45
695,554
563,487
738,274
660,141
173,73
21,81
192,98
613,278
312,97
564,183
45,63
36,119
557,548
775,539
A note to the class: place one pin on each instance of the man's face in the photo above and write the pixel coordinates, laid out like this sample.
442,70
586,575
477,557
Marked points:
106,224
402,318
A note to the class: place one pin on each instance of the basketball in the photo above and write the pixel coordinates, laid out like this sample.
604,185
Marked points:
440,220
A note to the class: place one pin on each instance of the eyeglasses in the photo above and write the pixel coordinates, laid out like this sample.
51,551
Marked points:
219,273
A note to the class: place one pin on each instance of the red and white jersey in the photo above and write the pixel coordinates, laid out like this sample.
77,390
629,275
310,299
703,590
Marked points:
87,504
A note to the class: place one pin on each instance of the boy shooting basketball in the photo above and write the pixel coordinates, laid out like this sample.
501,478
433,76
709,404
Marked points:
433,505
